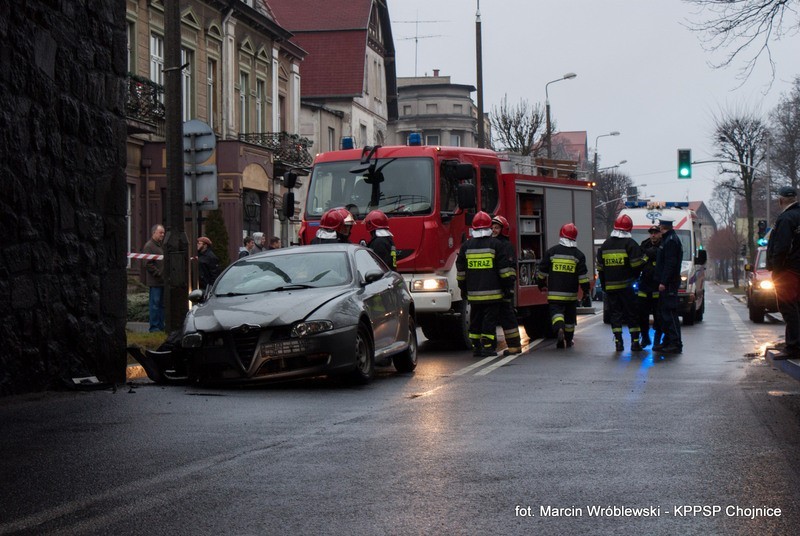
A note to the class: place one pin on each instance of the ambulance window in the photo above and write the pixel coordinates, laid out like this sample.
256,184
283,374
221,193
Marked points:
489,190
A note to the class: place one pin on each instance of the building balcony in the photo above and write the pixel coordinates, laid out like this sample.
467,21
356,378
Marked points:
143,107
290,150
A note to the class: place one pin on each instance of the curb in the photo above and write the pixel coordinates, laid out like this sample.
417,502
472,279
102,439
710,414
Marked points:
789,366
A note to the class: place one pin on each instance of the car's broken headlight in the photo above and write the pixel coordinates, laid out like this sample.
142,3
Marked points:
311,327
192,340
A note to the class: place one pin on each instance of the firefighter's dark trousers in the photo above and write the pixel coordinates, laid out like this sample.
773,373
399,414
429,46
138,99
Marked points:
668,304
564,315
787,290
508,321
483,318
622,309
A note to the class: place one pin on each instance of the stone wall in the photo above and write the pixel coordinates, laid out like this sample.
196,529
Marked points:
62,206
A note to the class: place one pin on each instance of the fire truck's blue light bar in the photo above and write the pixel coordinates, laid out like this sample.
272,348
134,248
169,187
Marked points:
348,142
415,138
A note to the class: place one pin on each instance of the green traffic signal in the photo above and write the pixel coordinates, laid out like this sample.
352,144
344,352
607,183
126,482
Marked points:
684,163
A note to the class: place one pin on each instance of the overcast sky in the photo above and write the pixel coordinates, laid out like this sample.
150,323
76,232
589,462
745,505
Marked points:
640,70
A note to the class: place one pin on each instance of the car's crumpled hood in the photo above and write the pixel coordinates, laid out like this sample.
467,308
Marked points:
270,308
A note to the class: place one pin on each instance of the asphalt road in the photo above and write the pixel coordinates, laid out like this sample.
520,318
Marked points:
551,442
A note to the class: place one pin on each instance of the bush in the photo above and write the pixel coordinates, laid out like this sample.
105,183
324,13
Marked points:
139,307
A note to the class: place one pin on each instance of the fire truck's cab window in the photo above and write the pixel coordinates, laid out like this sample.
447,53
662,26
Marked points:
398,186
448,190
489,190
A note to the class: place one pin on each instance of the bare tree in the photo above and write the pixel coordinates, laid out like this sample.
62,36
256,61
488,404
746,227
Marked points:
725,245
785,137
741,26
516,127
740,139
610,193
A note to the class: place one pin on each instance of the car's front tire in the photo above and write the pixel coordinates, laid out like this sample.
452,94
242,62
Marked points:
364,356
406,361
756,313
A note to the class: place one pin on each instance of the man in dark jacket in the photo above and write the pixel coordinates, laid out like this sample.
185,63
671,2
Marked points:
154,277
783,259
647,295
668,275
619,261
563,270
208,263
484,276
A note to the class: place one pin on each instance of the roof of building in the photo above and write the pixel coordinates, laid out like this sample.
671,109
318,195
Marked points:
339,38
573,143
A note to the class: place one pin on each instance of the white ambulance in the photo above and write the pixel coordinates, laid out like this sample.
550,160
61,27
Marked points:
691,293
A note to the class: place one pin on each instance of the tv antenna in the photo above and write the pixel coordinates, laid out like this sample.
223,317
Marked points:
417,37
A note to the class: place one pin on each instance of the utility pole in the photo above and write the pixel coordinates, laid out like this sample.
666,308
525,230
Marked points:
479,84
176,250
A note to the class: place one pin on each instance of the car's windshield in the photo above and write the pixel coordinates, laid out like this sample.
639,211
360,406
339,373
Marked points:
640,235
283,272
761,260
398,187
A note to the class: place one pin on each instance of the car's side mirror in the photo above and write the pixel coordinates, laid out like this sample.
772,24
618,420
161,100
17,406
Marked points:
702,257
196,296
372,276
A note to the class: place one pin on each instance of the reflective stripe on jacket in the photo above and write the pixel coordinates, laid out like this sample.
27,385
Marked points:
565,269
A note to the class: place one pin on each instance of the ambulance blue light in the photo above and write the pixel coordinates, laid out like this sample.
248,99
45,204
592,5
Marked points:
415,138
348,142
635,204
676,204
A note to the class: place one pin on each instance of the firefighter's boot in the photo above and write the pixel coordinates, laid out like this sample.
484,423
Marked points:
618,342
476,348
489,347
560,339
646,337
635,346
513,342
657,338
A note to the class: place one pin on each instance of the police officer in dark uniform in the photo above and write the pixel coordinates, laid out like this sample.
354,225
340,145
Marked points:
484,276
647,295
668,275
501,230
563,270
783,259
619,261
382,242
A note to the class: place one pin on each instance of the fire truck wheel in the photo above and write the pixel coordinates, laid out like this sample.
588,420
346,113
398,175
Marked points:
464,325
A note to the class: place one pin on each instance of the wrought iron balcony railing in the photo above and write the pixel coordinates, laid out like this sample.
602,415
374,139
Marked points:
290,149
144,101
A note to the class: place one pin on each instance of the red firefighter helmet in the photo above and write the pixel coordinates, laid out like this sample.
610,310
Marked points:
331,220
347,217
481,220
376,220
503,223
623,223
569,231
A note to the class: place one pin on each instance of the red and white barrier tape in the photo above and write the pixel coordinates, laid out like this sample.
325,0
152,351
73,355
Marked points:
146,256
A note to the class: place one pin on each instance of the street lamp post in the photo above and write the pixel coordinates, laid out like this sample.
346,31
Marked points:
568,76
614,133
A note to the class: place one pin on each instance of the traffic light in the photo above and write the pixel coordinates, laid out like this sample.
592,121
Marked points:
762,228
684,163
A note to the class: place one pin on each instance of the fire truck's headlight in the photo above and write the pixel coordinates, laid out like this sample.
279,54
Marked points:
766,285
434,284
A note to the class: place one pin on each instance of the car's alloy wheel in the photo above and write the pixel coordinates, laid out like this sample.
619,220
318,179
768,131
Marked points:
364,360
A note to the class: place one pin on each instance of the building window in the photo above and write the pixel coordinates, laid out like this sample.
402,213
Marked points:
331,138
187,87
212,91
406,109
157,61
131,30
244,102
455,140
260,100
458,109
431,108
432,139
282,112
363,139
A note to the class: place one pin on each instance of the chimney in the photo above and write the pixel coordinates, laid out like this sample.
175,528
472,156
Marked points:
436,73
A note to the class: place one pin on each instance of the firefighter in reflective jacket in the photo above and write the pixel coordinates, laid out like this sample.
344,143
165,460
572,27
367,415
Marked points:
619,261
508,317
563,270
329,224
484,276
382,242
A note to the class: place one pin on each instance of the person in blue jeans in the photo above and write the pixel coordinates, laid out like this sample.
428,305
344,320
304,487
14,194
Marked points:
154,277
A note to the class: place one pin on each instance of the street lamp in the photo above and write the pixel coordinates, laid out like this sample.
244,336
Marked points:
614,167
568,76
614,133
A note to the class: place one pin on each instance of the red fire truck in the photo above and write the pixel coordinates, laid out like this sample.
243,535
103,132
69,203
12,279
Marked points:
430,194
